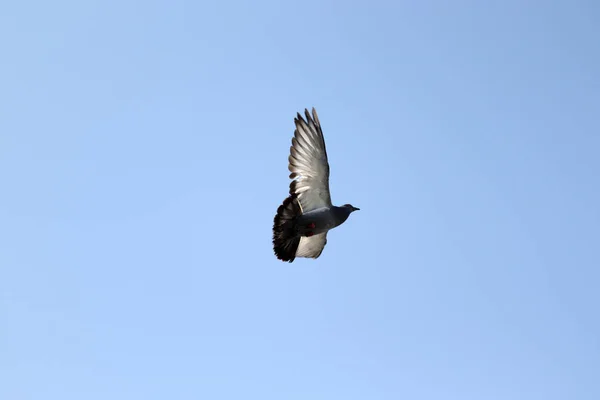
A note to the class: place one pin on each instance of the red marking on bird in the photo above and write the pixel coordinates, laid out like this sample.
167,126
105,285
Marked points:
311,225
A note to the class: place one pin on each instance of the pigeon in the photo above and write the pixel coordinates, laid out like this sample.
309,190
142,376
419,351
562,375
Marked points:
301,224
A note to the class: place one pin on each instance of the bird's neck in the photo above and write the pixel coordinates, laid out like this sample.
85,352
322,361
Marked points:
341,213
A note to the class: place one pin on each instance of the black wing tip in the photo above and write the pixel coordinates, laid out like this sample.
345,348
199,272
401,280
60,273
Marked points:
311,123
285,240
283,255
314,118
308,116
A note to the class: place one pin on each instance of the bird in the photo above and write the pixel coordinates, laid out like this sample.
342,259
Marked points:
303,219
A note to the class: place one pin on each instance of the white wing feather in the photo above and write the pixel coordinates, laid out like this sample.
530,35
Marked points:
308,164
312,247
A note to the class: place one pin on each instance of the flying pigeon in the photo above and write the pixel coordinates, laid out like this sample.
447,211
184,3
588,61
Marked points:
303,220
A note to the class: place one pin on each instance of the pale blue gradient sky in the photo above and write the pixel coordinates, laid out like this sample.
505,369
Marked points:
143,153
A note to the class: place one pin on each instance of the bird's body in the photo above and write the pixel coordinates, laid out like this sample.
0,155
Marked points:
303,220
324,219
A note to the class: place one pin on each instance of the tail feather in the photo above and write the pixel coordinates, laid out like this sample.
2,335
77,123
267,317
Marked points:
285,237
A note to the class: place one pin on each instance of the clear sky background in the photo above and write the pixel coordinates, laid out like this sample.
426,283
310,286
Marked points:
143,153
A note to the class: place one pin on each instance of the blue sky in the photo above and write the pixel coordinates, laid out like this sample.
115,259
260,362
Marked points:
143,153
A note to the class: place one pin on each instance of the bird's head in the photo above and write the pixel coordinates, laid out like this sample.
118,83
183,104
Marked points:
350,207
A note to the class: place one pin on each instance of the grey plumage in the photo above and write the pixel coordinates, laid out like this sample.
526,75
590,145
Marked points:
301,224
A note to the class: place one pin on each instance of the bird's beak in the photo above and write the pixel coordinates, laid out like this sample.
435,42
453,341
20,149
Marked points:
355,209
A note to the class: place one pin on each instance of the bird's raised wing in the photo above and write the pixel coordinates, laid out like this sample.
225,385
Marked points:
308,164
312,247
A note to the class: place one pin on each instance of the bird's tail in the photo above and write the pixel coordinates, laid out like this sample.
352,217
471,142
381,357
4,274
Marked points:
285,237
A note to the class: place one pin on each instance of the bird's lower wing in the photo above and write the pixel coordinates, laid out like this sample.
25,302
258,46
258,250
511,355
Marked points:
312,247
